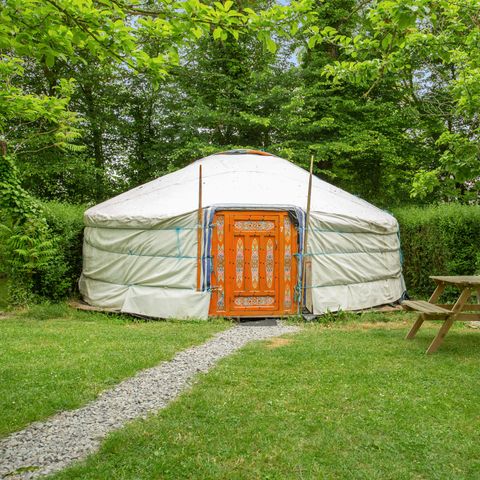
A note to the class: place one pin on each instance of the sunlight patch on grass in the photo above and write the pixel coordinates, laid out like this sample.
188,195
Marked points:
278,342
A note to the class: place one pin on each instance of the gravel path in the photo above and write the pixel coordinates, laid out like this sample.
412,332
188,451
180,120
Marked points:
48,446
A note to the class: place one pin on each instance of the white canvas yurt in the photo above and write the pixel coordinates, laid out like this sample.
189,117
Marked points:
159,251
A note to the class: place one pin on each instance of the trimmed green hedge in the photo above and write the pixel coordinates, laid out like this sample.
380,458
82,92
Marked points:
57,278
438,240
60,278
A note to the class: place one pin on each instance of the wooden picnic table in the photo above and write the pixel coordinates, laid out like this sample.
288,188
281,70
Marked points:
468,285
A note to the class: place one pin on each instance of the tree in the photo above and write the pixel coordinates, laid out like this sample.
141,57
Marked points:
58,54
428,50
74,32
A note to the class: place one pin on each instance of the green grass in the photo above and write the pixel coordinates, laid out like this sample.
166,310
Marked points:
343,400
54,358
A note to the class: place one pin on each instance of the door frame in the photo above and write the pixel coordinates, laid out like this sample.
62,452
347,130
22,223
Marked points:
223,263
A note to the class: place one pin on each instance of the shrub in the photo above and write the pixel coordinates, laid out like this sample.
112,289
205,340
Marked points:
40,244
58,278
438,240
27,245
47,269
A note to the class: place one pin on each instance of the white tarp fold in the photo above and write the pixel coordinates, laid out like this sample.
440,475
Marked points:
357,296
172,303
124,269
168,243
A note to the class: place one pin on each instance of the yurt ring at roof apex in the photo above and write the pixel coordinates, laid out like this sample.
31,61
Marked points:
141,247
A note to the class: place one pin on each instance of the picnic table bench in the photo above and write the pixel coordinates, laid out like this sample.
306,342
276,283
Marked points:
449,313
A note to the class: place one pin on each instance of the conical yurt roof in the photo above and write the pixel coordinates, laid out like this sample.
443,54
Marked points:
251,179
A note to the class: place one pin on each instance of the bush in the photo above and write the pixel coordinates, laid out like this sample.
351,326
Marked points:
438,240
55,277
3,247
58,278
40,244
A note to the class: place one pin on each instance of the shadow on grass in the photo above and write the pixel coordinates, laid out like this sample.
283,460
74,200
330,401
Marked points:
461,342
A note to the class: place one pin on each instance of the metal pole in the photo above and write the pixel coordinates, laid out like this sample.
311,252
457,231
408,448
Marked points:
199,232
305,236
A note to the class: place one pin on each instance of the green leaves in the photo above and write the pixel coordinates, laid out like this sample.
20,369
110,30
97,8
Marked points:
428,51
271,45
64,32
424,183
27,242
217,33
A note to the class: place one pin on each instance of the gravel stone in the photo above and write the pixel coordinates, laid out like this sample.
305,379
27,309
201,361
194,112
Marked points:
51,445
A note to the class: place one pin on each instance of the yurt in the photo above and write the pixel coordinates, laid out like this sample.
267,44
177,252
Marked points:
225,235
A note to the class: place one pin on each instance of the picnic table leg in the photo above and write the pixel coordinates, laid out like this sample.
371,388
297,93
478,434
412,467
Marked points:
437,293
418,323
421,318
457,308
437,341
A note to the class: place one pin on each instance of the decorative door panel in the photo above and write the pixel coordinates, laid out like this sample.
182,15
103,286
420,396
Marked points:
254,268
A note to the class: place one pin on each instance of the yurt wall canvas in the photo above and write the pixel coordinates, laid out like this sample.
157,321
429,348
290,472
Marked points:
140,248
149,271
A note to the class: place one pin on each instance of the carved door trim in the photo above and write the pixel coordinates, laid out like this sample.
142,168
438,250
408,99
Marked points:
254,264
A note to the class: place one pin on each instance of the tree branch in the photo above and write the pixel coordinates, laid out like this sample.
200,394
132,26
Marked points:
91,34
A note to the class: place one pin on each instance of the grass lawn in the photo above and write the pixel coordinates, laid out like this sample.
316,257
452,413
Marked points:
340,401
54,358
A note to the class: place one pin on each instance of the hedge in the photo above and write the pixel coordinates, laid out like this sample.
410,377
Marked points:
438,240
58,277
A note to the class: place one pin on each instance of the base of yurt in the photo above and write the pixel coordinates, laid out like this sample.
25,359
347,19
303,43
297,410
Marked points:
80,305
387,308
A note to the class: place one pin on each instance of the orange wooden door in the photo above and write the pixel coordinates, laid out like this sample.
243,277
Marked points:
254,268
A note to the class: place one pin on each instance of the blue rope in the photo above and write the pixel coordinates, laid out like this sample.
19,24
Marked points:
315,254
179,250
131,252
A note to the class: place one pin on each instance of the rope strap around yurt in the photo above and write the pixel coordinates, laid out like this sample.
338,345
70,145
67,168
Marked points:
377,279
301,256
